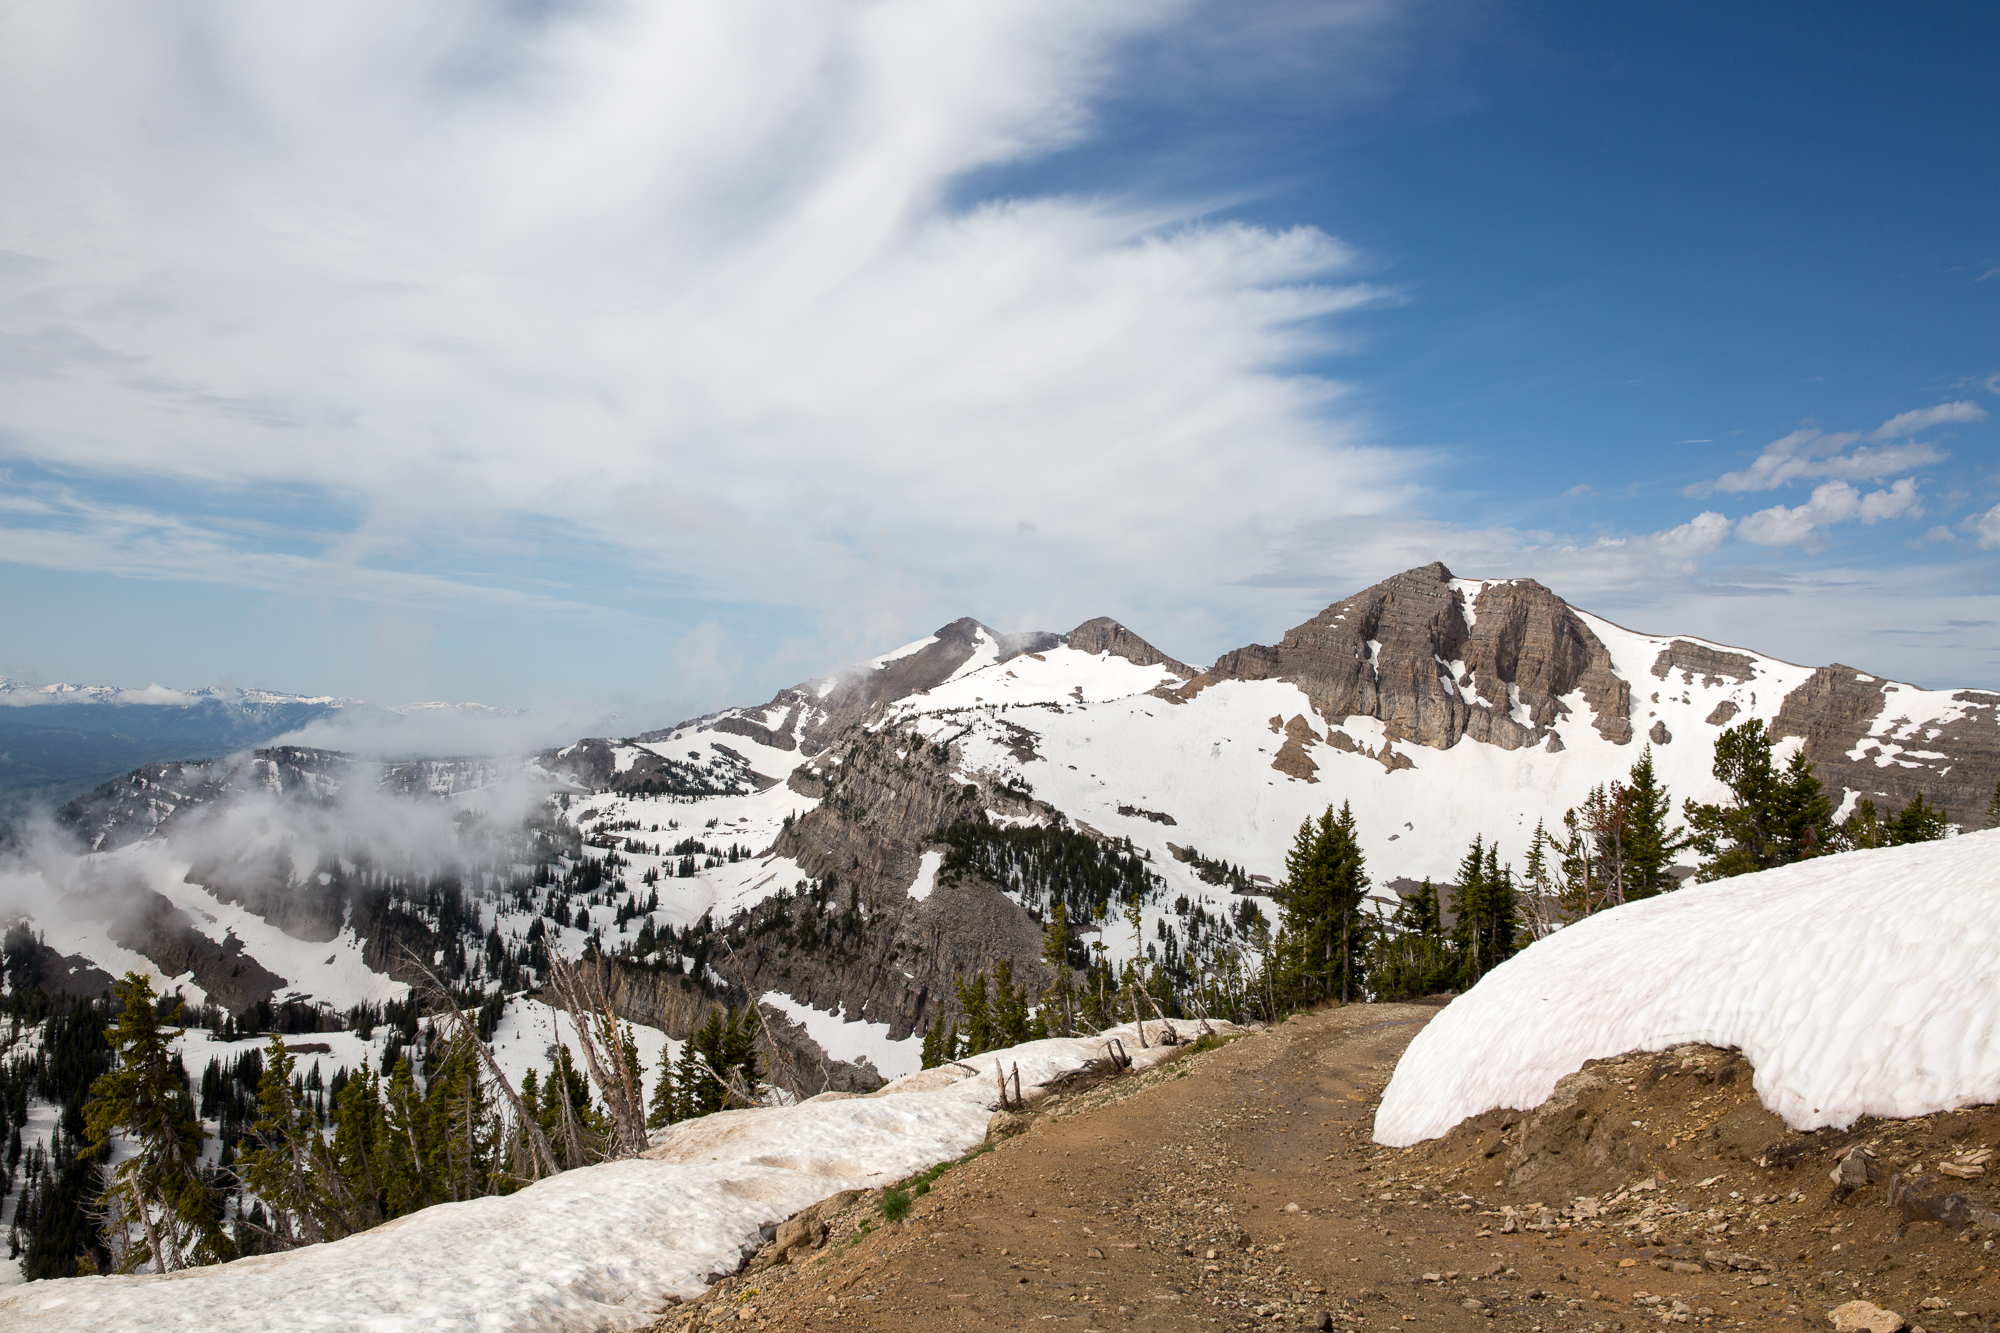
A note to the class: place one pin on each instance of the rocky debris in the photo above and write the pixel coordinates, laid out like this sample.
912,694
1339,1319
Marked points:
1862,1317
1410,652
1105,635
149,924
1134,812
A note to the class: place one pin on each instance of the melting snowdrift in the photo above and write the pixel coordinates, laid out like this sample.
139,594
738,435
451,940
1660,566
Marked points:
604,1247
1860,984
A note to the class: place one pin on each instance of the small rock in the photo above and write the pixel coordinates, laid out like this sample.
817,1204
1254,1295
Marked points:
1932,1303
1683,1266
1093,1253
1291,1208
1322,1321
1864,1317
1855,1169
1473,1304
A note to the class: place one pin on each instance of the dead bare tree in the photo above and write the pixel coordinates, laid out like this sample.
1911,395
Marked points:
439,1001
581,992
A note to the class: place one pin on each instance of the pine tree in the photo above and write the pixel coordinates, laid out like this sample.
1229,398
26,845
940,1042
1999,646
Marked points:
935,1051
1993,808
1055,953
1919,821
1010,1006
979,1032
161,1188
663,1110
1487,909
1650,842
1863,827
1323,934
1774,817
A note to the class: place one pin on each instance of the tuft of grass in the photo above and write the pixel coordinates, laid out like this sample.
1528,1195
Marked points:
896,1200
1208,1041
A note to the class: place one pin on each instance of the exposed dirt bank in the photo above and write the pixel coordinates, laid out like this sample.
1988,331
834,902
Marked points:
1649,1189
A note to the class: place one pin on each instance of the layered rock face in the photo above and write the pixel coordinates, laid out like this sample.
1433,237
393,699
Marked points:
1434,669
1857,737
884,801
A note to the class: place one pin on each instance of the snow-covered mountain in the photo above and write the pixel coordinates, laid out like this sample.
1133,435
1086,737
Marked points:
791,850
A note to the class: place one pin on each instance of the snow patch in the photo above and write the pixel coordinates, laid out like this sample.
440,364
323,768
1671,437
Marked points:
1859,984
852,1039
602,1247
927,871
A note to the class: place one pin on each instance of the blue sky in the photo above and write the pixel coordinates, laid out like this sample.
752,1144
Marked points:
654,357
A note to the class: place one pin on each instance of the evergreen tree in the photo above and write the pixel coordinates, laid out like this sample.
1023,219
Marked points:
1413,957
1649,840
663,1109
938,1047
1993,808
1774,817
1323,934
1055,953
282,1167
161,1188
1010,1006
978,1032
1487,912
1919,821
1863,827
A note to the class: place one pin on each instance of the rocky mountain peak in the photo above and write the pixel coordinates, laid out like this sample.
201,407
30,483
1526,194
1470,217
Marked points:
1437,658
1105,635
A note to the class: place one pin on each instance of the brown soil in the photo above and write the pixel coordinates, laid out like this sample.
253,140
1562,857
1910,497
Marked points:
1650,1189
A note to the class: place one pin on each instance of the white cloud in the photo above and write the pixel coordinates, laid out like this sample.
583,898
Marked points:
1808,453
1985,528
1834,502
685,282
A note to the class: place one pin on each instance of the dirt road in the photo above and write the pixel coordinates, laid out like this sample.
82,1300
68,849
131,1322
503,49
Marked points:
1238,1187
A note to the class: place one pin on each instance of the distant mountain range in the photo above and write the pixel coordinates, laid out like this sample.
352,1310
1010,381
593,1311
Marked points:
793,852
59,740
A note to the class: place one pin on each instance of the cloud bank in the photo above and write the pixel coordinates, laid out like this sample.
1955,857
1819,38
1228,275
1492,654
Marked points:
685,285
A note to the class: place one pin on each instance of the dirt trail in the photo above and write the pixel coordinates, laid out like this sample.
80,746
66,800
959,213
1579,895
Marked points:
1165,1201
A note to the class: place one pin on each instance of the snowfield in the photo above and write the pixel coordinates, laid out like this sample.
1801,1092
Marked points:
602,1247
1861,984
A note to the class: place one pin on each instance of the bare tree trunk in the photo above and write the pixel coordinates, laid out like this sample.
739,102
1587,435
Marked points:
443,1005
584,999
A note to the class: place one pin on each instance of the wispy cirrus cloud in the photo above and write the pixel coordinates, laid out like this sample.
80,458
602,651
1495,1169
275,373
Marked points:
688,285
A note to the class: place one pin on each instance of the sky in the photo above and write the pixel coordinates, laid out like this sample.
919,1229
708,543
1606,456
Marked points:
656,356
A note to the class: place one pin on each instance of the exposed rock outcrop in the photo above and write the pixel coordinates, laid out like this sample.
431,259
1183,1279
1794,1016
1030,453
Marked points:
1856,738
1411,652
1700,662
1105,635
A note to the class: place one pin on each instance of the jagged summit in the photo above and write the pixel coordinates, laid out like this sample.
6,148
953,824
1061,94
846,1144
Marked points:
1437,658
